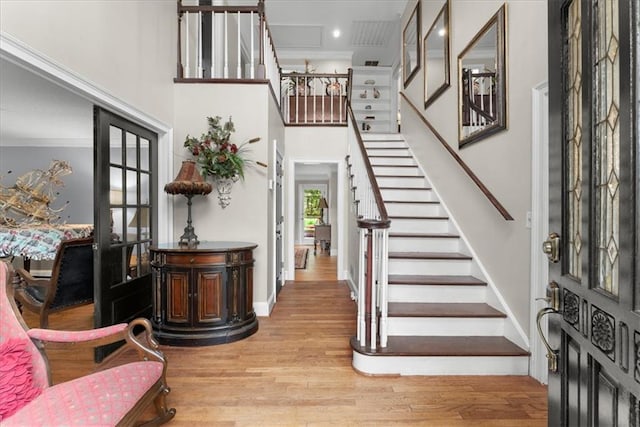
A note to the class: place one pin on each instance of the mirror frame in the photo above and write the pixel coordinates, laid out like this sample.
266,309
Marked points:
444,13
499,20
414,21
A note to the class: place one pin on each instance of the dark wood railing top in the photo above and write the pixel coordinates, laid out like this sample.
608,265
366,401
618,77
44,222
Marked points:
494,201
384,221
219,9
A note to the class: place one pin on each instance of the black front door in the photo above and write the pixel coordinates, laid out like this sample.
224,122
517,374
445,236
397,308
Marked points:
593,206
125,193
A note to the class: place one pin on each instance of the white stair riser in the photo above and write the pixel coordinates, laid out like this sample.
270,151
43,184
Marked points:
390,170
441,365
387,153
437,293
419,225
384,144
445,326
408,195
382,136
423,244
431,267
404,182
391,161
418,209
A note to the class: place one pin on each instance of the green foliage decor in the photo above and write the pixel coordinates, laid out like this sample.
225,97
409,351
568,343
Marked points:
215,154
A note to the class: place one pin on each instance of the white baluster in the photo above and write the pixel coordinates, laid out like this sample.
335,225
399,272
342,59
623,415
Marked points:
226,46
187,70
253,54
199,47
213,45
239,69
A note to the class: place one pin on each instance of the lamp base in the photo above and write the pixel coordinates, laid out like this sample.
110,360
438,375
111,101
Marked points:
189,237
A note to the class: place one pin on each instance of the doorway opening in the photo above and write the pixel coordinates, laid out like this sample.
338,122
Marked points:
316,221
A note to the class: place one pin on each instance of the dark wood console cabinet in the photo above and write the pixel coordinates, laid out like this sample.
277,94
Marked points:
203,295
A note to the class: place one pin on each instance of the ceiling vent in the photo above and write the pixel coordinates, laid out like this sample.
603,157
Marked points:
371,63
372,33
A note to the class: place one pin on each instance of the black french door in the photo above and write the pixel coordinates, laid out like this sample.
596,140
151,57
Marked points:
125,194
593,206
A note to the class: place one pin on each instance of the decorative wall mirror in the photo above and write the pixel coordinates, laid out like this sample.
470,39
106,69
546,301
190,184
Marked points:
482,93
411,46
436,57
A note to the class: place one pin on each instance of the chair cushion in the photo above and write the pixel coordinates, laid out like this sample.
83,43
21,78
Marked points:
99,399
16,379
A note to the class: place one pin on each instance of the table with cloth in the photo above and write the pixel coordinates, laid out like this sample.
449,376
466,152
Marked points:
39,242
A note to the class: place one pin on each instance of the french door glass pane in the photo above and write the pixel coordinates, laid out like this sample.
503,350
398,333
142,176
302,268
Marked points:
607,142
573,137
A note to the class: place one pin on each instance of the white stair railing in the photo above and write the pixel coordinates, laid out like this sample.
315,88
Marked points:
225,42
373,222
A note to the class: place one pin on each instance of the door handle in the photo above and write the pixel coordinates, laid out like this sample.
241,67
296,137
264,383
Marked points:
551,247
553,299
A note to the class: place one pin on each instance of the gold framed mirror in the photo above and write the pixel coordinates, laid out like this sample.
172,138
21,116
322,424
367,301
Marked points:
436,57
482,83
411,46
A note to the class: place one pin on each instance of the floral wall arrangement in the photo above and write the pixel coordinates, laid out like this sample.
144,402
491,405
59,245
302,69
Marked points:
219,158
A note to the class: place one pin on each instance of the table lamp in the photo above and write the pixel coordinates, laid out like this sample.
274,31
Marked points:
322,205
189,182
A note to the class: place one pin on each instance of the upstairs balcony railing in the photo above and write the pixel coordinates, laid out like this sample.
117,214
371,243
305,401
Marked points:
314,99
225,43
234,44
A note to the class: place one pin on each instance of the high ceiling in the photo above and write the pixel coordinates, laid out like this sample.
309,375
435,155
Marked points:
369,29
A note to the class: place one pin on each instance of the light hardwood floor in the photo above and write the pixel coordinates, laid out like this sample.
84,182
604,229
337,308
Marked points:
296,371
321,266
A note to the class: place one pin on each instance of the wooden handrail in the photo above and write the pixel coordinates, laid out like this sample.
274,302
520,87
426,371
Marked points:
494,201
382,210
218,9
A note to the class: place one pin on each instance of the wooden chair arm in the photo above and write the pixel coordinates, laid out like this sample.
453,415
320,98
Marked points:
91,337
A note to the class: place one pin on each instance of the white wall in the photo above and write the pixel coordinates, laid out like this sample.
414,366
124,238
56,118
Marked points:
246,219
128,48
501,161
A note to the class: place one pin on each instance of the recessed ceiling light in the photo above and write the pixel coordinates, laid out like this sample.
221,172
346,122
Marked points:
442,32
336,33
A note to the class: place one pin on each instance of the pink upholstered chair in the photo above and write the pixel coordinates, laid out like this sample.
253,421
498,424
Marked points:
112,397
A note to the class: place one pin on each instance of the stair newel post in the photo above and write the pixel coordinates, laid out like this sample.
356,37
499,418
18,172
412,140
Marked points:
384,288
372,249
362,326
369,301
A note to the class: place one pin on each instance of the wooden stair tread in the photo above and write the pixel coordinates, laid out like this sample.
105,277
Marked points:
429,255
444,346
425,235
377,156
400,176
414,279
427,309
415,202
393,166
418,217
405,188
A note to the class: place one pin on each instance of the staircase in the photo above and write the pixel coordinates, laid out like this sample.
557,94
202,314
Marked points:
439,318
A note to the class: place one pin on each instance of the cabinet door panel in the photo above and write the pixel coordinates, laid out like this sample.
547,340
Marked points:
209,296
177,296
